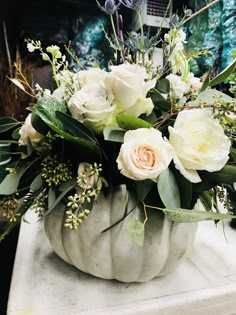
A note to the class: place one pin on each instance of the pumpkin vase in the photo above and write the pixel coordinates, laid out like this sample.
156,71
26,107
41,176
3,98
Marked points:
113,254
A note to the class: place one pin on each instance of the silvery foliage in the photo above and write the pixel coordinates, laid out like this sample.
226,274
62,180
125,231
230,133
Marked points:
110,6
132,4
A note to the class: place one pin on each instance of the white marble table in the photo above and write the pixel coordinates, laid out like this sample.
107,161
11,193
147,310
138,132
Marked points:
43,284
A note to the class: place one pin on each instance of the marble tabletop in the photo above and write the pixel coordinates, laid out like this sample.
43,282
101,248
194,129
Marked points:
43,284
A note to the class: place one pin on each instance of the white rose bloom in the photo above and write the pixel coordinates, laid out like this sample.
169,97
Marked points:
195,82
199,143
59,93
92,76
130,87
177,86
28,132
144,154
92,105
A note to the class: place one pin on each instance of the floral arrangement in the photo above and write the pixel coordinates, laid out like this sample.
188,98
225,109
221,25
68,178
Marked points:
157,129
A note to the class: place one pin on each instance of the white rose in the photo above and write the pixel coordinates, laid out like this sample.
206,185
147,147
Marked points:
93,106
92,76
130,87
199,143
28,132
195,82
144,154
177,86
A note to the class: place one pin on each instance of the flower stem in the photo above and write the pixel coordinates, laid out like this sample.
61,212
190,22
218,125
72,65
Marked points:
114,31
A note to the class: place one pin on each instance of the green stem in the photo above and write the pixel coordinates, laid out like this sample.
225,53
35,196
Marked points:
54,72
142,36
114,31
145,213
141,27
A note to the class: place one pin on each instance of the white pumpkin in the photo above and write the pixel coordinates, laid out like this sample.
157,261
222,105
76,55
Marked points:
114,254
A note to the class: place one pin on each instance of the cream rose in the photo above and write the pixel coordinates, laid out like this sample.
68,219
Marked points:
130,85
28,132
199,143
144,154
92,76
93,106
177,86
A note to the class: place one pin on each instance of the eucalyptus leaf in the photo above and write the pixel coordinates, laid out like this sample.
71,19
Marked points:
10,183
128,122
37,183
136,231
168,189
221,77
208,96
190,216
51,197
67,187
114,134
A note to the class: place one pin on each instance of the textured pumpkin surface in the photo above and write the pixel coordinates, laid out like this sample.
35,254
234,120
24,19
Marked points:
113,254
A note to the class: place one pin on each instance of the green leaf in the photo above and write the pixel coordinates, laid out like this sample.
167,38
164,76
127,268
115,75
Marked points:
39,124
86,144
128,122
10,183
227,175
160,102
185,190
168,189
15,135
163,86
136,231
221,77
37,183
233,154
67,186
206,81
208,96
206,200
114,134
51,197
75,127
7,123
46,109
142,188
189,216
